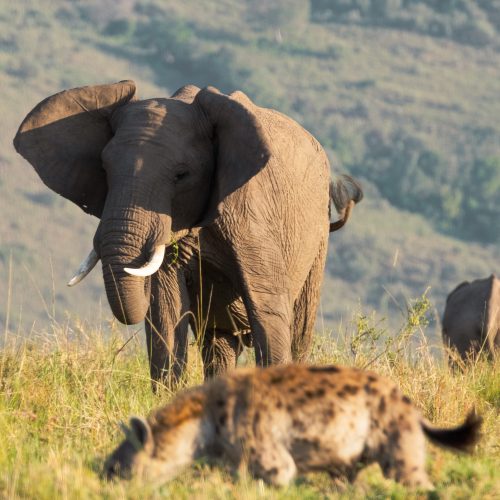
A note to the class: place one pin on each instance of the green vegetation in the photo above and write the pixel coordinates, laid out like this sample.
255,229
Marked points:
407,169
402,93
464,203
63,394
466,21
414,116
462,199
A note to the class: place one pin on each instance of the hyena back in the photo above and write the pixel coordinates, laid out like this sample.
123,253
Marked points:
284,420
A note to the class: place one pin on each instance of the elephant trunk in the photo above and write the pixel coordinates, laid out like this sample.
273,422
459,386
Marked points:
128,296
127,240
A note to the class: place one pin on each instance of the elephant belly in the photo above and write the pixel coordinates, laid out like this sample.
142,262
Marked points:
212,283
226,310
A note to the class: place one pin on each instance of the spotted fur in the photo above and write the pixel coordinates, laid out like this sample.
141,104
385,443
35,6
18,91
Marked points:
284,420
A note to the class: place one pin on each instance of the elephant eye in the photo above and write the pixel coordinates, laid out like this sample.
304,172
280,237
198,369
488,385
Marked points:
181,175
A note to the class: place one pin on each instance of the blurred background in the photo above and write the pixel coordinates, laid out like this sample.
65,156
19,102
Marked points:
403,95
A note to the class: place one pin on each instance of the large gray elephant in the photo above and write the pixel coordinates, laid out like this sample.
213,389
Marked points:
225,205
471,319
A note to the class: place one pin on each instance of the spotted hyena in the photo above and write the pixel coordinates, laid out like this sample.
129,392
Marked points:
284,420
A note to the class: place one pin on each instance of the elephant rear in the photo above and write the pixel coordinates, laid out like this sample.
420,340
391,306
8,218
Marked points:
471,319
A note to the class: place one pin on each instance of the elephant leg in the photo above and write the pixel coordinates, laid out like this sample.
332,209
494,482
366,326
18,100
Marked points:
305,309
494,342
261,279
220,351
167,326
493,338
270,316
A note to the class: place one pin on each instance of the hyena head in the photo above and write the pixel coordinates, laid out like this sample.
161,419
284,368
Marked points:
134,454
158,448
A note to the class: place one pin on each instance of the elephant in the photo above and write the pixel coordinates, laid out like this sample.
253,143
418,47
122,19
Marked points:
213,211
471,319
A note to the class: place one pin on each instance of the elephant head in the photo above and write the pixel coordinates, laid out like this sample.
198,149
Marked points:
149,169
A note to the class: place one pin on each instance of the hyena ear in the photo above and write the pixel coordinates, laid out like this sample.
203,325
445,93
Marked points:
141,434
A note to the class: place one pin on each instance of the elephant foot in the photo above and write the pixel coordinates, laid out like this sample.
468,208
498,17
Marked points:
166,378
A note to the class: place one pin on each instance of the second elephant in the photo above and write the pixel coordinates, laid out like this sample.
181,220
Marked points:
471,319
241,194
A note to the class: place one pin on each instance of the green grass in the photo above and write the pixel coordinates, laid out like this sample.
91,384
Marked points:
62,395
339,81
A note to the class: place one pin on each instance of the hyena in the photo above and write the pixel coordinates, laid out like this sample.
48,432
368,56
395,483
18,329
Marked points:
284,420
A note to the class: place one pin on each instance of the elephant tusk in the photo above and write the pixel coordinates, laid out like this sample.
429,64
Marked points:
151,266
85,267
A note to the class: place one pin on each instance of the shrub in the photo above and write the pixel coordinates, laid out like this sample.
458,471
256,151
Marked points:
466,21
277,14
481,201
474,32
119,27
414,177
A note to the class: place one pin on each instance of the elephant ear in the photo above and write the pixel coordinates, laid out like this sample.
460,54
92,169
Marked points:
64,135
241,143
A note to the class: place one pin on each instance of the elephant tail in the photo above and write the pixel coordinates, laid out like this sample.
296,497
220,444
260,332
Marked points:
460,438
344,194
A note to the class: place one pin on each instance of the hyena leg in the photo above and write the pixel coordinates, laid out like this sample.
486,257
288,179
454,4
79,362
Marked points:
340,475
272,463
406,459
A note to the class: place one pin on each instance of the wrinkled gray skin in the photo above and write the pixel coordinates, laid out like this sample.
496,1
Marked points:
471,320
245,188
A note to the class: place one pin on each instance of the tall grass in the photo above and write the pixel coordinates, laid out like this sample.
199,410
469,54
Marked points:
63,393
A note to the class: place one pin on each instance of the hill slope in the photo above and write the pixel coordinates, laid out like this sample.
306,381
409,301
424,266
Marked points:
413,116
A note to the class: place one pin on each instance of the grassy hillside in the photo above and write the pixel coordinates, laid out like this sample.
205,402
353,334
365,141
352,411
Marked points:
402,93
62,396
414,116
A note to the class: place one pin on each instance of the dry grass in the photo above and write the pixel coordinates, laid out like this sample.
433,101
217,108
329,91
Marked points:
429,88
63,393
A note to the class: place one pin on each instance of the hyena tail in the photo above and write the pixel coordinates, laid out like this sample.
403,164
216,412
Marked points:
460,438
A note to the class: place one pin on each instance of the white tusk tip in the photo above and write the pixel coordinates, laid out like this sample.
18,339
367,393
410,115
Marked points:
151,266
85,267
133,272
73,281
